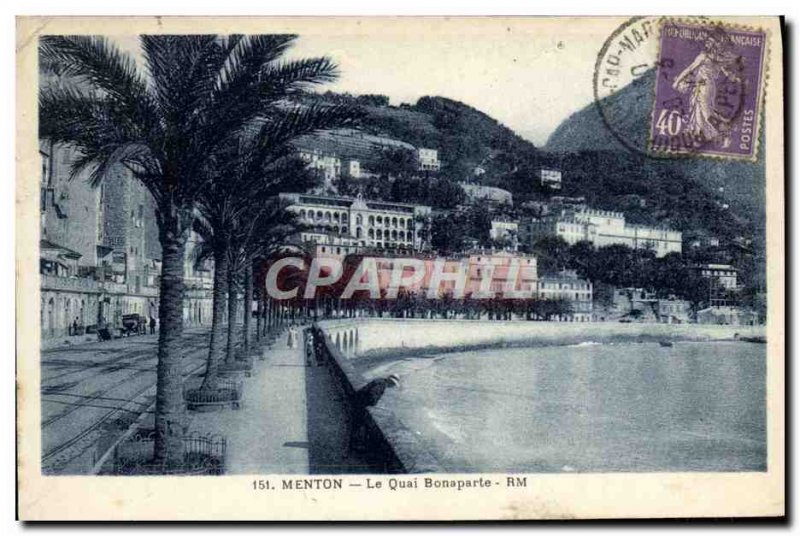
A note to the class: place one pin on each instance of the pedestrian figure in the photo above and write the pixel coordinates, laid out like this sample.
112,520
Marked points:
152,325
292,337
309,348
75,326
365,397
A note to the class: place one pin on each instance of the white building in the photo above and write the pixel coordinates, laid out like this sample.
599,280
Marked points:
428,159
725,275
601,228
566,285
347,223
490,194
353,169
329,166
505,230
550,178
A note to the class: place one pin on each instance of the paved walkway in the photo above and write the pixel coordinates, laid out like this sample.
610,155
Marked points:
268,434
292,420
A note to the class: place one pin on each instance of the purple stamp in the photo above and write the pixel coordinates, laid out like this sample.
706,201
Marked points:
708,90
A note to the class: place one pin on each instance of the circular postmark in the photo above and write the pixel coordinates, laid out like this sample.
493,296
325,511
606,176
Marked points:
664,88
621,78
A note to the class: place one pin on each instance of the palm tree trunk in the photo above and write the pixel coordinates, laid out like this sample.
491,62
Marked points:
168,444
220,291
259,319
248,305
232,305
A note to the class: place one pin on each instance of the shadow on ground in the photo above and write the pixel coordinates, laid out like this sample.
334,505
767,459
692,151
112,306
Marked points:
328,429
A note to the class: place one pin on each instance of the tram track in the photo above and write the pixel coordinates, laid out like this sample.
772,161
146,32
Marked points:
59,456
99,394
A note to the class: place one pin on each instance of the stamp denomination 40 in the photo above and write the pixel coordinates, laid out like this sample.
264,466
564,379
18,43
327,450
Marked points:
708,90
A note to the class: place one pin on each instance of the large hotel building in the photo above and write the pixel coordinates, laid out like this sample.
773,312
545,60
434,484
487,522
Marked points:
343,225
601,228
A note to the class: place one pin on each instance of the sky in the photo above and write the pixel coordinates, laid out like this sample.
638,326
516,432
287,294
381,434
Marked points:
529,78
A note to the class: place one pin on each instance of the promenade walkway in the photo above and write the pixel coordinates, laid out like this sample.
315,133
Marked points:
292,420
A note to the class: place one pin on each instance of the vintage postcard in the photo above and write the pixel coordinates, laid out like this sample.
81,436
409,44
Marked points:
400,268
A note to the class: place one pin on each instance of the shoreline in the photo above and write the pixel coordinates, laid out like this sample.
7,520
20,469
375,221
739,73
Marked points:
378,356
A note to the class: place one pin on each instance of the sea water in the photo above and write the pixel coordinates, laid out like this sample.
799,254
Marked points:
587,407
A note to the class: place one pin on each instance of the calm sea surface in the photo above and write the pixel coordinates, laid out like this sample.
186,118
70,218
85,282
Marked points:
588,407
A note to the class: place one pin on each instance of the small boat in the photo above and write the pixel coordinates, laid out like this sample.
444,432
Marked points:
667,344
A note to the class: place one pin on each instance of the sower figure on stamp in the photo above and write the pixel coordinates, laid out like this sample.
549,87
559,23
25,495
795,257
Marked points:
700,78
365,397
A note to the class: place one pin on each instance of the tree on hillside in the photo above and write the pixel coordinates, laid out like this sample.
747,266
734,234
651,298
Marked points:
582,258
395,162
448,233
552,253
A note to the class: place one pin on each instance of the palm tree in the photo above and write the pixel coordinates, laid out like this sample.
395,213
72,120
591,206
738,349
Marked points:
267,234
163,124
240,206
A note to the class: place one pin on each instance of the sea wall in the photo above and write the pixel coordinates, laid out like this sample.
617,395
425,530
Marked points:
373,336
401,450
390,445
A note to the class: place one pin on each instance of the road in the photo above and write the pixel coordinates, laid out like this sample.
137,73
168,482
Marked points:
92,392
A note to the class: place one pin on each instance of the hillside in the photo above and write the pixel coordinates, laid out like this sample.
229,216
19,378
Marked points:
683,194
584,136
466,138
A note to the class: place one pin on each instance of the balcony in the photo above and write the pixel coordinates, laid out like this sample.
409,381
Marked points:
72,284
115,288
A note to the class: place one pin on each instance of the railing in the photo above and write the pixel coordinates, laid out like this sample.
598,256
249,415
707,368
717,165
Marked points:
202,454
51,282
115,288
227,391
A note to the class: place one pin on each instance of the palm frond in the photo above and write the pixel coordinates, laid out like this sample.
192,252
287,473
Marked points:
283,79
97,61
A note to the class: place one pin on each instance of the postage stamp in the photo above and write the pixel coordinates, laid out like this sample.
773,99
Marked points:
708,91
